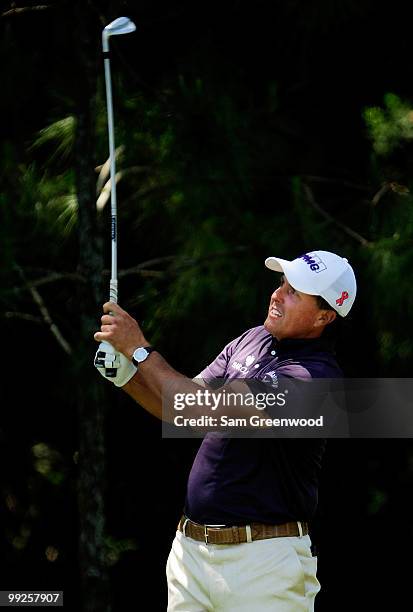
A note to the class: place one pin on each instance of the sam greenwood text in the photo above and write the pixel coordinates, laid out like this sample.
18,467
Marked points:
252,421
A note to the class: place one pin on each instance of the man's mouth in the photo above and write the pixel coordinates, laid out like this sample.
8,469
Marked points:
275,313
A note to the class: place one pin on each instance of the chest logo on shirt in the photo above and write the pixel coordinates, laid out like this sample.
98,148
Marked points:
238,365
271,378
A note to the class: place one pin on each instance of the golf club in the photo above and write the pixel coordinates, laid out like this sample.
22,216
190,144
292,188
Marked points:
121,25
106,355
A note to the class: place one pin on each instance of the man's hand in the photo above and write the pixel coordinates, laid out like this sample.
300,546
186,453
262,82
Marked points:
113,365
120,330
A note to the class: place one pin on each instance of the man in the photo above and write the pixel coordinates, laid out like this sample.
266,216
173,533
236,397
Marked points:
243,544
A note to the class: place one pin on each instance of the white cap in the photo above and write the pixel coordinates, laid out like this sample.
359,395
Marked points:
320,273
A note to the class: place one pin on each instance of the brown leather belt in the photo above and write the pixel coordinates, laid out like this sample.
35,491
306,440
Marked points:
239,535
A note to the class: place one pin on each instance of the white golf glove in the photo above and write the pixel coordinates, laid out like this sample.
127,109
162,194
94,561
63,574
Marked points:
112,365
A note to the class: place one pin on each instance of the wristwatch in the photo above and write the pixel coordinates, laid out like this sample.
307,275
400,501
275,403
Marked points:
140,354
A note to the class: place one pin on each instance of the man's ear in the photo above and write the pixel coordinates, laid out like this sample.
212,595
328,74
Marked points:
325,317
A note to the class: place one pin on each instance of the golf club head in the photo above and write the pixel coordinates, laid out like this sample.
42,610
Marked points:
121,25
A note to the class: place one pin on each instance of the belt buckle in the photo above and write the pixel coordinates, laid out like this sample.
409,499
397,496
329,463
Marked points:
206,527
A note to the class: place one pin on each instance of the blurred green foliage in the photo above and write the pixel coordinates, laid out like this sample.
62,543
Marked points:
233,147
390,126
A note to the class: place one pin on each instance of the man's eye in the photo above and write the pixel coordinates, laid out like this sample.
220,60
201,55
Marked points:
291,290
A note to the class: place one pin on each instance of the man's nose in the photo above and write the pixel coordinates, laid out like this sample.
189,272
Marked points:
277,295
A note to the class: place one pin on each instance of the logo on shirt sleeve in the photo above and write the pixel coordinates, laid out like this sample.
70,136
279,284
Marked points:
238,365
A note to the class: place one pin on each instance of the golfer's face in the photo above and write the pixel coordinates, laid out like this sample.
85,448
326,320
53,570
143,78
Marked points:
292,314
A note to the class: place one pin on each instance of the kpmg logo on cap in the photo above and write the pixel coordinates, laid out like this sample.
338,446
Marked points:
316,264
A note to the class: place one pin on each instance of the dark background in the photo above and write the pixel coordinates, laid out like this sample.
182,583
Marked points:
247,131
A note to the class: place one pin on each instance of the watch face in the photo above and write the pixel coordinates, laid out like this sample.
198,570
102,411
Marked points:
140,354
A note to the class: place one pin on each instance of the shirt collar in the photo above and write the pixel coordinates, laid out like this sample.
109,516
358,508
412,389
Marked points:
310,345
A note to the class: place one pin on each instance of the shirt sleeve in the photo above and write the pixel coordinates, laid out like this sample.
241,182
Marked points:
217,369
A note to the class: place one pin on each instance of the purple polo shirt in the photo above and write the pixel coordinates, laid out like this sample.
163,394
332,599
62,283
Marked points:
236,481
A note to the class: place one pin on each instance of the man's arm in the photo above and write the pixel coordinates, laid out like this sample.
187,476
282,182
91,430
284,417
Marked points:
138,391
146,386
156,385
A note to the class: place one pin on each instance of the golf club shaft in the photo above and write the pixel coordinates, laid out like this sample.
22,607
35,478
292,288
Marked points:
113,292
106,356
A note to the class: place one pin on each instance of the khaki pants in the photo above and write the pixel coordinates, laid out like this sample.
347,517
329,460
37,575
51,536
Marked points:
278,574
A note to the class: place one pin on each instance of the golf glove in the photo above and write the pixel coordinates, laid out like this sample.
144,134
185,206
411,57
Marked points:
112,365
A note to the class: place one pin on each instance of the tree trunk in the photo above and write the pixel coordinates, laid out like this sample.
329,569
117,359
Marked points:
90,389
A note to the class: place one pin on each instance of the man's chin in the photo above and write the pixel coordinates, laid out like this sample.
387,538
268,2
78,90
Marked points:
269,326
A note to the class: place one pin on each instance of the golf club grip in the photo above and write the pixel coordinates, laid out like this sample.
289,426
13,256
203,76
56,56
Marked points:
113,291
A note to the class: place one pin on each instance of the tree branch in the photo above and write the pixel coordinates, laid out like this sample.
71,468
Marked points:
25,9
22,315
343,183
45,313
310,197
180,259
401,190
55,276
381,192
143,269
50,278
